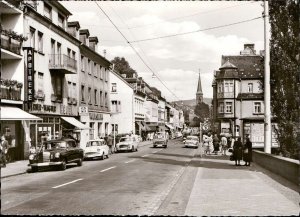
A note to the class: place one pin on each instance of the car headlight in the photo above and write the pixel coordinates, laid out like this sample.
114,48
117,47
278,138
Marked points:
57,155
31,157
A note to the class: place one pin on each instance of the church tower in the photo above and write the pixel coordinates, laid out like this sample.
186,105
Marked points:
199,94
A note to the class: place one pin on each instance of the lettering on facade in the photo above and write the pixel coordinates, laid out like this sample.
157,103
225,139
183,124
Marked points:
66,110
29,74
95,116
43,108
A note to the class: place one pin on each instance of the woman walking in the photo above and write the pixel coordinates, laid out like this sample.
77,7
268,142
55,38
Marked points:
216,144
237,151
248,152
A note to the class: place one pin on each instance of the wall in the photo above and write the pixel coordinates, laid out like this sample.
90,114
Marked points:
248,108
285,167
255,83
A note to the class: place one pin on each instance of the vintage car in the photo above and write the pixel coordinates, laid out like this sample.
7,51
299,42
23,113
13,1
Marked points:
192,141
127,143
58,152
178,134
160,139
96,148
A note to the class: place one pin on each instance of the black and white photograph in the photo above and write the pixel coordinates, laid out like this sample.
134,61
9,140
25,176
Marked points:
150,108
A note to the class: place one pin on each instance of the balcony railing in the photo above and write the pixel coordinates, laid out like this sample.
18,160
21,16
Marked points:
62,63
10,44
225,95
11,90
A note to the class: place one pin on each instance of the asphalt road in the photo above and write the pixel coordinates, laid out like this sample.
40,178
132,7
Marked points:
152,181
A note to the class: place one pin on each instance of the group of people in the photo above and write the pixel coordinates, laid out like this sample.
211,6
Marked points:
212,144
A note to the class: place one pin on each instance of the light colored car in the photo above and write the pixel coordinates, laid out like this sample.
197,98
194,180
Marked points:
178,135
160,139
192,141
128,143
96,149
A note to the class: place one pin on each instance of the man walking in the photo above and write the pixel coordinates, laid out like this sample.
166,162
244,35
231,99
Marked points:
3,150
110,144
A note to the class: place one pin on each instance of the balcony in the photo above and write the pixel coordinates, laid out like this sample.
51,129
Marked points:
62,63
225,95
225,115
11,44
10,90
11,7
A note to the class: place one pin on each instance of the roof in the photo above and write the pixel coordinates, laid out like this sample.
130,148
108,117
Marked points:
228,65
199,87
249,66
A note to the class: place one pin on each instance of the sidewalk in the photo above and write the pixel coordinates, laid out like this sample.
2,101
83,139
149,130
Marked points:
222,189
21,167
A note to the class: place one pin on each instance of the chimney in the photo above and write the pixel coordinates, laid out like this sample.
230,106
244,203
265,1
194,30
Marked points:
93,41
83,36
73,28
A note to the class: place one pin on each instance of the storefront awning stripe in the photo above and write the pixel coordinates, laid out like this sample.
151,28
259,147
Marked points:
8,113
140,124
169,126
75,122
146,126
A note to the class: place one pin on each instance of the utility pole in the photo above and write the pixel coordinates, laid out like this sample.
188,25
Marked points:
267,98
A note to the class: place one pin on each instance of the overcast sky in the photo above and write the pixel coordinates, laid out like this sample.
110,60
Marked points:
176,60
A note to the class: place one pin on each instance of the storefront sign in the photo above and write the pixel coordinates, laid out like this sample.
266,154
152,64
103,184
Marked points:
30,74
95,116
67,110
83,110
43,108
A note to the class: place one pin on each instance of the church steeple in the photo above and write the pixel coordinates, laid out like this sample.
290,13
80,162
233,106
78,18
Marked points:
199,94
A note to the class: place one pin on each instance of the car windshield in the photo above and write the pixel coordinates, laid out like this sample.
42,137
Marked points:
192,138
125,139
93,143
53,145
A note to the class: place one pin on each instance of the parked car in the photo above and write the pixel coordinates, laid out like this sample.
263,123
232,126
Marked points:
96,148
192,141
160,139
127,143
58,152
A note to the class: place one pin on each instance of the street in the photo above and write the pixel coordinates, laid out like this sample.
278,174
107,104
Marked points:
152,181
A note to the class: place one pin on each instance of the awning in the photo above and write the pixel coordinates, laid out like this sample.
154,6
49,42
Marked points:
75,123
147,128
169,126
16,114
140,125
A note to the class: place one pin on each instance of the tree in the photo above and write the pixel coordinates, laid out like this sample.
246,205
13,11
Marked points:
284,66
122,66
202,111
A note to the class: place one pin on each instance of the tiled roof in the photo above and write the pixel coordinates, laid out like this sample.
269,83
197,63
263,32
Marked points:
228,65
250,96
249,66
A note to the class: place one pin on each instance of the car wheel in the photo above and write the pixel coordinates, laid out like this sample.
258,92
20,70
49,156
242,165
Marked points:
107,155
132,149
79,162
34,169
136,148
165,146
102,157
63,165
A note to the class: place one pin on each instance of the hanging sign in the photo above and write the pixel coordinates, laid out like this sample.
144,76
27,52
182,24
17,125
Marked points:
29,77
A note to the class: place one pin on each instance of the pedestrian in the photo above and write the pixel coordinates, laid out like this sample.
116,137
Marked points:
110,144
237,151
247,152
3,150
224,145
216,144
206,144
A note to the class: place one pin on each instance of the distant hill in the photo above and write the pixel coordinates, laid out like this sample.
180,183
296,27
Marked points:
192,102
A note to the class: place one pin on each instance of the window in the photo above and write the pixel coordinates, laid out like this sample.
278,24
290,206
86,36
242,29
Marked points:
106,74
40,41
105,98
101,98
32,37
101,72
61,21
257,107
96,95
221,107
250,87
40,81
228,107
58,53
89,95
82,93
70,89
114,87
82,64
220,87
69,52
57,83
92,130
95,70
52,55
228,87
47,11
74,91
88,66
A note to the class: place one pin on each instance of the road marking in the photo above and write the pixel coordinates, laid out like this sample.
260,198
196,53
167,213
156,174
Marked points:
146,155
67,183
129,161
107,169
154,152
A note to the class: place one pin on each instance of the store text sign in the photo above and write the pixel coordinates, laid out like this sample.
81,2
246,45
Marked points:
30,74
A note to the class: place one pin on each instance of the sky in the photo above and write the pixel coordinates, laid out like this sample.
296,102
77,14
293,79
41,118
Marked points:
175,60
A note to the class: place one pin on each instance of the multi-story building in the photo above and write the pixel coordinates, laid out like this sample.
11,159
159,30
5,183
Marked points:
151,109
161,109
238,102
122,104
94,90
14,121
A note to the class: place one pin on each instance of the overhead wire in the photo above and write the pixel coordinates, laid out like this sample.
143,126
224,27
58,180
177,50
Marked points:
137,53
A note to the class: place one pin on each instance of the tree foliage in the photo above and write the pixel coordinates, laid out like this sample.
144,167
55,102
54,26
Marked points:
284,65
122,65
202,111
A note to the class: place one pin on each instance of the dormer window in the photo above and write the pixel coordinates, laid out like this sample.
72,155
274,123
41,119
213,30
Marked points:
61,21
250,87
47,11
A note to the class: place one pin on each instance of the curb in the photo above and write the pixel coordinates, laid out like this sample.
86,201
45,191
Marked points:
16,174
